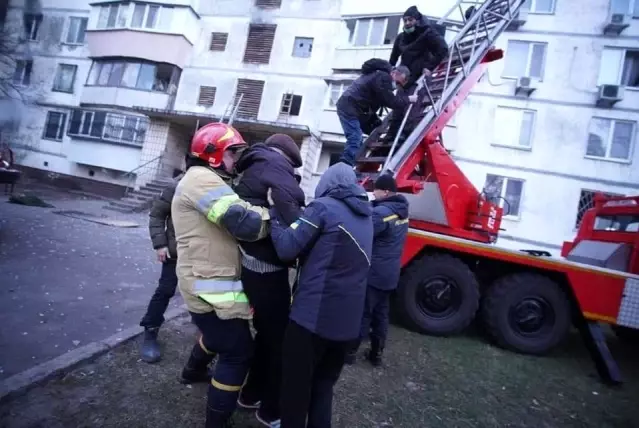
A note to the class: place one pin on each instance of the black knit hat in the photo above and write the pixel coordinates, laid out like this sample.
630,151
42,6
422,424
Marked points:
386,182
413,12
288,146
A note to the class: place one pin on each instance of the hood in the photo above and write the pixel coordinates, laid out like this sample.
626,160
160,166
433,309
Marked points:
374,64
259,152
339,182
398,204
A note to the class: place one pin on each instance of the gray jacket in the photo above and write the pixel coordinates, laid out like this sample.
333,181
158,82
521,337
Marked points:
160,224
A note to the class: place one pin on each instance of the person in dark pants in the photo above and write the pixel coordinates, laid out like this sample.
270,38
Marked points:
390,225
357,107
333,240
422,48
264,276
163,240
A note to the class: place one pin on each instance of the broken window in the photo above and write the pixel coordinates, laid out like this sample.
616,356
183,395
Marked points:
32,25
291,105
22,72
303,47
505,192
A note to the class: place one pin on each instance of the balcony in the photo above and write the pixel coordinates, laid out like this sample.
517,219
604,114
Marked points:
154,32
96,95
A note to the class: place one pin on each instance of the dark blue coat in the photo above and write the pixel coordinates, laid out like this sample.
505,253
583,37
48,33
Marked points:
262,169
333,239
390,222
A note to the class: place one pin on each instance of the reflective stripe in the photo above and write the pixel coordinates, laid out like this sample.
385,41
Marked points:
356,243
308,222
404,221
201,342
216,285
295,225
253,264
220,207
390,217
216,298
224,387
206,201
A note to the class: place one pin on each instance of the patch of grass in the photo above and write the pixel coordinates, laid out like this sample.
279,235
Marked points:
426,382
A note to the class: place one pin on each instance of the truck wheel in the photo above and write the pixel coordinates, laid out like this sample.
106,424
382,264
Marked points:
527,313
438,295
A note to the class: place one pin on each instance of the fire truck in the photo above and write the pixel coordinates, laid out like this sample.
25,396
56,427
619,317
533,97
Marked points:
453,273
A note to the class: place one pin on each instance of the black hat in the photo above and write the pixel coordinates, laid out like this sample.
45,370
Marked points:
288,146
413,12
386,182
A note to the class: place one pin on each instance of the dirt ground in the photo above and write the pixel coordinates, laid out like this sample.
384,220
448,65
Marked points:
427,382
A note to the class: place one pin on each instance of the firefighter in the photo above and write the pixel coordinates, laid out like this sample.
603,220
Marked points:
333,240
163,240
208,218
357,107
390,227
264,276
422,47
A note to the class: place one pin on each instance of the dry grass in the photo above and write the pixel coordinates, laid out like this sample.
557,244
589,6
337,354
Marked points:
427,382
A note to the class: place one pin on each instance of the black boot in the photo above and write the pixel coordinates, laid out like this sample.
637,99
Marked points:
150,349
374,355
351,356
196,368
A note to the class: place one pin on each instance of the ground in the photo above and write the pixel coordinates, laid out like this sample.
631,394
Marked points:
427,382
67,282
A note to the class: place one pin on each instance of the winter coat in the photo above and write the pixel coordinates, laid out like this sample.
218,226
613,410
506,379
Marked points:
333,240
423,48
160,223
263,168
390,224
209,218
370,92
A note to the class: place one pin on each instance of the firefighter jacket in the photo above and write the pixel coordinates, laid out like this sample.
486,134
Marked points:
209,218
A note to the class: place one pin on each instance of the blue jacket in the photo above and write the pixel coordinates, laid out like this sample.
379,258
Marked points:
333,240
390,222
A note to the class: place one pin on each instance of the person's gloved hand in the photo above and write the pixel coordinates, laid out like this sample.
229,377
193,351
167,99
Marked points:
163,254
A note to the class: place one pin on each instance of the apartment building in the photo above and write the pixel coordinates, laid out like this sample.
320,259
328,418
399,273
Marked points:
546,127
118,87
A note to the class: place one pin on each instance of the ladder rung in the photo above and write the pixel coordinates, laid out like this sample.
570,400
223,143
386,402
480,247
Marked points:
373,159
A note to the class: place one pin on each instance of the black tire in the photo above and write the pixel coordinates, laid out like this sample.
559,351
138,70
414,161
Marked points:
438,295
527,313
626,334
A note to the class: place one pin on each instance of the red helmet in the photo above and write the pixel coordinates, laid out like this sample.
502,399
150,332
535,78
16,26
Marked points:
211,141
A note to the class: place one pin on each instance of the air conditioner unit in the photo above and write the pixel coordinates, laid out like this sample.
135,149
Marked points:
609,95
525,86
616,23
520,19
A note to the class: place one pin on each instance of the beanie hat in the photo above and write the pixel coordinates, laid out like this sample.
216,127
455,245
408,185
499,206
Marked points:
288,146
413,12
386,182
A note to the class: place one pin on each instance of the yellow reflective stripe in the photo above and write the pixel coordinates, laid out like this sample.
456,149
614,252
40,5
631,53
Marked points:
390,217
404,221
295,225
220,207
224,387
231,296
201,342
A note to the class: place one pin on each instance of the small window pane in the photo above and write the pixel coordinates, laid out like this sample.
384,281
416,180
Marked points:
630,75
377,32
130,75
544,6
152,17
361,35
516,59
621,140
138,15
86,125
598,137
635,10
94,73
105,71
54,126
128,133
513,196
166,15
537,60
610,66
525,136
64,78
123,15
493,187
350,25
619,6
103,17
162,77
146,77
392,29
113,14
115,78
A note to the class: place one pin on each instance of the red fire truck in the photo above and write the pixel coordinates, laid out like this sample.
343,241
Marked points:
452,270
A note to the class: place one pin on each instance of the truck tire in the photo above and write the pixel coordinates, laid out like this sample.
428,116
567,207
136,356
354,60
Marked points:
438,295
527,313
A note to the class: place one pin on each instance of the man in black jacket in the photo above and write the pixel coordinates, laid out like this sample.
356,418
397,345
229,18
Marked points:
358,105
422,47
390,227
163,240
264,276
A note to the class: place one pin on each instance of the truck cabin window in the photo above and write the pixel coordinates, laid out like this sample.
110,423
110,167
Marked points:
617,223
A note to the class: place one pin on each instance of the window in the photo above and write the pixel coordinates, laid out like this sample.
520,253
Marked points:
268,3
32,25
218,42
108,126
76,32
251,92
335,90
373,31
303,47
587,201
540,6
54,125
625,6
22,73
291,105
334,158
129,74
259,43
617,223
514,127
64,78
506,192
619,67
207,96
610,139
525,59
135,15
